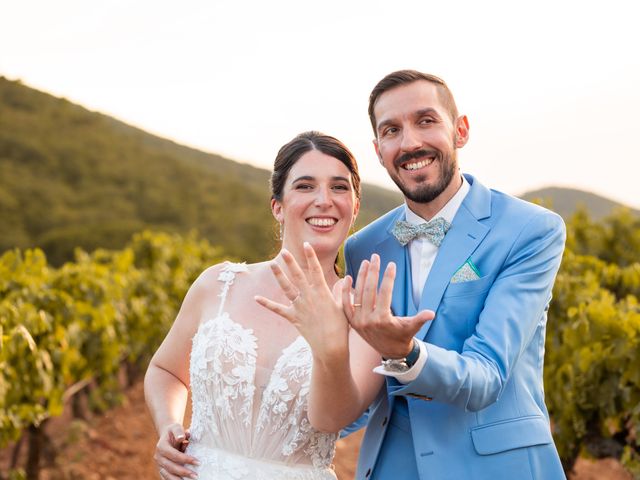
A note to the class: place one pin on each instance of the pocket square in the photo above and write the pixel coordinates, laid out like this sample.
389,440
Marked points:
466,273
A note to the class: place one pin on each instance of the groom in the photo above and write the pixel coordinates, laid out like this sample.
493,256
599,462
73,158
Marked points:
464,395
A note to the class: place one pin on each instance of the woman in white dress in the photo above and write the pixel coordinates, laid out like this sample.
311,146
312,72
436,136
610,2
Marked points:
271,387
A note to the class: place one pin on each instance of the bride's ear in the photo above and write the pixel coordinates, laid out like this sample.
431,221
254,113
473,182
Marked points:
276,210
356,210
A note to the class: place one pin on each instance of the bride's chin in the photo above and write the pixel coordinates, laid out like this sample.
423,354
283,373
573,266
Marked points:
324,248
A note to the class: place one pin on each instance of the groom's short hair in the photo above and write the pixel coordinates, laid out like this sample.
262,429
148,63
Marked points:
404,77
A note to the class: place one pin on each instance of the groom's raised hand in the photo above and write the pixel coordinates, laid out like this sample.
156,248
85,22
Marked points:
370,313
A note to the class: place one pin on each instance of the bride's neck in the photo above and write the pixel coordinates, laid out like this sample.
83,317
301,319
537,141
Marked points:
327,263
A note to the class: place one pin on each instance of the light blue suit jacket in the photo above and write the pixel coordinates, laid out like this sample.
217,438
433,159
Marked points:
477,408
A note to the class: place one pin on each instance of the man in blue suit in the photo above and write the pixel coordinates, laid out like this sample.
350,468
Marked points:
464,392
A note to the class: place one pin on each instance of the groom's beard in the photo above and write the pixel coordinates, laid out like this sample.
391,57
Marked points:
425,193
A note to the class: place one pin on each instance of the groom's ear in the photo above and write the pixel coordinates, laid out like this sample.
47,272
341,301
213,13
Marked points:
462,131
276,210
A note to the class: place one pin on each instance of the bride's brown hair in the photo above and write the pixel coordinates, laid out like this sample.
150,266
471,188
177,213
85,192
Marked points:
291,152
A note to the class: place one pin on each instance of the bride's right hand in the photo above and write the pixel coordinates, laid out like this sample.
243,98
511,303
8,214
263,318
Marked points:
170,457
314,309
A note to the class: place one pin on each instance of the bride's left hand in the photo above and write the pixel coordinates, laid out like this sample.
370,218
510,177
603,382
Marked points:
314,309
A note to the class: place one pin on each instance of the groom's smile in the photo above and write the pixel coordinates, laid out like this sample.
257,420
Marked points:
416,160
417,141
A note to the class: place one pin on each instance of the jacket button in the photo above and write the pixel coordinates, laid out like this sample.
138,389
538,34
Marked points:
384,421
368,473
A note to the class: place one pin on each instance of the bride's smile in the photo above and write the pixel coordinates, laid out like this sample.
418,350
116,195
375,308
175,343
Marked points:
318,204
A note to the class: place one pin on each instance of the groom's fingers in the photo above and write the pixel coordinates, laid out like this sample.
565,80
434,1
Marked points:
336,291
347,306
370,286
414,324
359,286
287,287
357,318
383,304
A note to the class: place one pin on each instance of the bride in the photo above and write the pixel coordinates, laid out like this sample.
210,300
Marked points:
271,387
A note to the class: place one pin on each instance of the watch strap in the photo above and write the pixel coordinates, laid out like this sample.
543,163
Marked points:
408,361
413,355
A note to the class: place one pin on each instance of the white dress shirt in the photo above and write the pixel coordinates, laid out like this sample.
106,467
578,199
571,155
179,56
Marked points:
422,254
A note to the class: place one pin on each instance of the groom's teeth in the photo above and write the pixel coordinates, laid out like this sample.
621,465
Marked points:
416,166
322,222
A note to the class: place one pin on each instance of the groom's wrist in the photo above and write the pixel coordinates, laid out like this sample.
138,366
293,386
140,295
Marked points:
412,373
402,364
400,352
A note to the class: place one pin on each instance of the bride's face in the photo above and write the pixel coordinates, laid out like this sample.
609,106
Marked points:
318,204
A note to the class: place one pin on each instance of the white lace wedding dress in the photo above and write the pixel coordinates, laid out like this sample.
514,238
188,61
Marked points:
249,416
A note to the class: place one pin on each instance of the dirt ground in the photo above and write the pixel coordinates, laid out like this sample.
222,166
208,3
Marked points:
119,446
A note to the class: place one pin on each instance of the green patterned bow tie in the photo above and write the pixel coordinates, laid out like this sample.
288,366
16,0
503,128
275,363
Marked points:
433,230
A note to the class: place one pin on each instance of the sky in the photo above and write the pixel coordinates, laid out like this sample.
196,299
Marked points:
551,88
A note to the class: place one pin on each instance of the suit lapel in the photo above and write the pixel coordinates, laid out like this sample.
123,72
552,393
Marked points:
461,240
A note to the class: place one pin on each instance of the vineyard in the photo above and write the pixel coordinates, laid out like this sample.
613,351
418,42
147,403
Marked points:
592,362
77,336
68,334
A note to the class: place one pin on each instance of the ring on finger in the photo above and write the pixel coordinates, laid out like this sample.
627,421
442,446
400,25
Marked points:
162,472
356,305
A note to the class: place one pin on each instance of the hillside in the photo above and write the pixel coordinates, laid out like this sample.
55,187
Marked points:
566,201
71,177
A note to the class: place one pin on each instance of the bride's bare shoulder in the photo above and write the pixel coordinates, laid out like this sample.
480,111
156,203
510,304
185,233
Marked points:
216,275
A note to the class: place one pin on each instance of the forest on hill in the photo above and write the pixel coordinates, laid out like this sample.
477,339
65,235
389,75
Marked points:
72,178
566,201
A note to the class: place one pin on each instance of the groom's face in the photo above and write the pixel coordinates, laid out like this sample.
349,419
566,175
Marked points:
417,140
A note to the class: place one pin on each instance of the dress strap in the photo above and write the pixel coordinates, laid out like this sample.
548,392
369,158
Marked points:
227,275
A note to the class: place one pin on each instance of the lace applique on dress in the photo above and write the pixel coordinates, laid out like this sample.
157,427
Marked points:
223,361
230,420
281,409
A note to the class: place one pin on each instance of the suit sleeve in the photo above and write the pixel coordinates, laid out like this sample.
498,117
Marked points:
514,309
348,259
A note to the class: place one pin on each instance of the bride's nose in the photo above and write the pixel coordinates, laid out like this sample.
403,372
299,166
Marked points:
323,197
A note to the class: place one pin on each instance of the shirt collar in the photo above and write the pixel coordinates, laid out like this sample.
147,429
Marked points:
447,212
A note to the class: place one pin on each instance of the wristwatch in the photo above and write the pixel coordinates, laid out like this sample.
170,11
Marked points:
401,365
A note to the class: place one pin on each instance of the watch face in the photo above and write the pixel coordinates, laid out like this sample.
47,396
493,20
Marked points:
398,366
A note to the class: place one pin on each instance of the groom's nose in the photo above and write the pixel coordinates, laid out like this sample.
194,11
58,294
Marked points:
410,140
